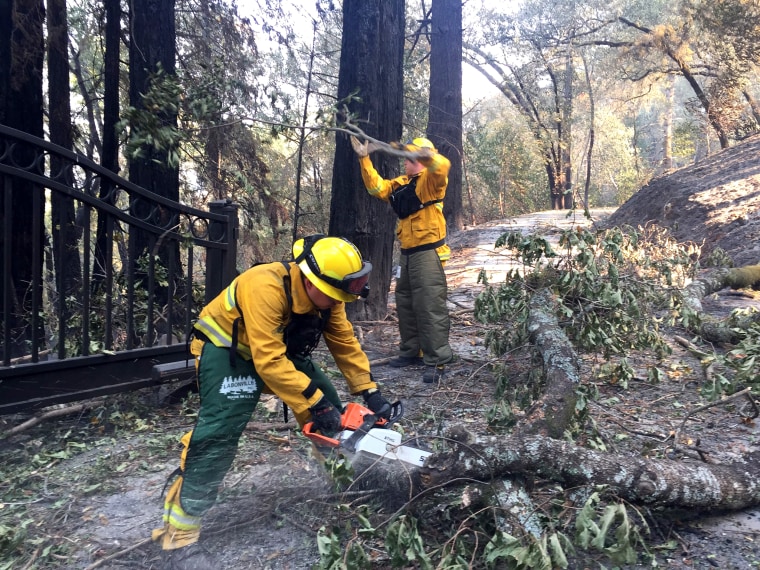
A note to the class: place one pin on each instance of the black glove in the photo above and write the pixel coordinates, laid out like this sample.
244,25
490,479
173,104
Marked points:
379,405
326,417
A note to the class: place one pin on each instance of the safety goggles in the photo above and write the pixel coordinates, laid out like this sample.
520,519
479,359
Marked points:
356,283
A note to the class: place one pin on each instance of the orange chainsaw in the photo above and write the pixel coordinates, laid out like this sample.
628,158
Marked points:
363,432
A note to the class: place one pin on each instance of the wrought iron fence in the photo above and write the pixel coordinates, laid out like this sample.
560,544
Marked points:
101,279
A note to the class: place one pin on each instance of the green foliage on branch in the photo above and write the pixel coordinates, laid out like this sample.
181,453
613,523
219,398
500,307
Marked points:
737,369
609,284
153,127
598,527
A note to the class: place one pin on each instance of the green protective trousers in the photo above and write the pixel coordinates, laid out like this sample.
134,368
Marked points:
228,398
423,317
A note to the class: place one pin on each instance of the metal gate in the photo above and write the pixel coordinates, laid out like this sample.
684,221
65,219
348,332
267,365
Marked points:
144,267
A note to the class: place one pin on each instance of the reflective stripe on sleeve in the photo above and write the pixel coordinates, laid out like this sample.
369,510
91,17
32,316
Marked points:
229,299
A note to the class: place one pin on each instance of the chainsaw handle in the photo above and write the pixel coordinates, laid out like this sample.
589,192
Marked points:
318,438
397,412
352,418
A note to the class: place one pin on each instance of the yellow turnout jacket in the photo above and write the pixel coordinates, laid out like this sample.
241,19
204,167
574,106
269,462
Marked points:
259,296
428,224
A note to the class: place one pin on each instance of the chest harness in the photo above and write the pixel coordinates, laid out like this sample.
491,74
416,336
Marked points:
405,202
301,335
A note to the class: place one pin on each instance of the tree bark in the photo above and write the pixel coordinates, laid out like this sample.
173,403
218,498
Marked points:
152,47
551,414
721,330
66,234
644,481
6,26
371,65
22,206
445,115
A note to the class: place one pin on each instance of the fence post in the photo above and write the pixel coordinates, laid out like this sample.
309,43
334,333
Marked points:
221,266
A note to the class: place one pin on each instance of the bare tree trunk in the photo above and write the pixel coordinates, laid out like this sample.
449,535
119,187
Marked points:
23,206
445,116
152,48
667,127
567,125
66,234
552,413
373,39
6,26
591,128
302,134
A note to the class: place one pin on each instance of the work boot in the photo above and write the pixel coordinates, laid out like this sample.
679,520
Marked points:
433,374
404,361
193,557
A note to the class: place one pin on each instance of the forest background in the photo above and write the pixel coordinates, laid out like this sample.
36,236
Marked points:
203,101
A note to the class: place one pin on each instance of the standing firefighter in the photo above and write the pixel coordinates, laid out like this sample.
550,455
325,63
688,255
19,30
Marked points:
417,199
257,335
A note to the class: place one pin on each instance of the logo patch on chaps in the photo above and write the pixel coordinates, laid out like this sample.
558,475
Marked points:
239,387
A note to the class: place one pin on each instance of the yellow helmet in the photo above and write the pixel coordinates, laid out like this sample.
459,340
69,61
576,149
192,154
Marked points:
334,266
418,143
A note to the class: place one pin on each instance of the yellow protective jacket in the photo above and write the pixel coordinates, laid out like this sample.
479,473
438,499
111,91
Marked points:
259,296
428,224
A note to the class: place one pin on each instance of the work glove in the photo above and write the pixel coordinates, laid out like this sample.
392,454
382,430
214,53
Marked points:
362,148
326,417
375,402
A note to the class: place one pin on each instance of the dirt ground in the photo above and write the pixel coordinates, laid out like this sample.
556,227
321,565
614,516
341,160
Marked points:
96,505
715,203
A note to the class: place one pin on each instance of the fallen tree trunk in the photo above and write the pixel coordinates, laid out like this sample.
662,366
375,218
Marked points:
721,330
551,414
702,287
530,452
644,481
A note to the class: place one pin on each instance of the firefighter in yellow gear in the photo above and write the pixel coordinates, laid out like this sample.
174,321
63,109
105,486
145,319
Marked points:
257,335
417,199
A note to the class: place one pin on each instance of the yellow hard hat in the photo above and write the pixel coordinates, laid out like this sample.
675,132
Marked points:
334,266
418,143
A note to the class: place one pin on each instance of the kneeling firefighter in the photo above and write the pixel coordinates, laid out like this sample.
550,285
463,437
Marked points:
257,335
